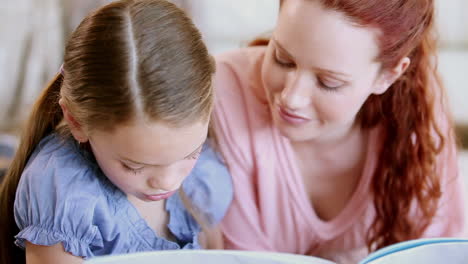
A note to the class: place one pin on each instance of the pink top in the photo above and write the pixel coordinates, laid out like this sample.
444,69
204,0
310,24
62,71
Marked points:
271,210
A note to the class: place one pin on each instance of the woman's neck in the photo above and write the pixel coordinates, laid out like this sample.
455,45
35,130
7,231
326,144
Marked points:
344,149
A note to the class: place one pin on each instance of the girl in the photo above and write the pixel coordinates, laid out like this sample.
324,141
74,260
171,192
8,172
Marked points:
337,131
111,140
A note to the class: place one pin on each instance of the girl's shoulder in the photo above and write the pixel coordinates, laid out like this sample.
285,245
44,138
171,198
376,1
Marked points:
59,169
59,154
209,186
59,195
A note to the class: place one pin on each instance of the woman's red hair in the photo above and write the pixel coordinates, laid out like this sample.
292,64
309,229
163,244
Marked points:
406,172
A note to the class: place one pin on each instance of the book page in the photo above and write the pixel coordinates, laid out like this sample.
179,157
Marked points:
208,257
453,253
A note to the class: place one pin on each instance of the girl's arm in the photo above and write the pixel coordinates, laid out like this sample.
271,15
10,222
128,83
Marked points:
36,254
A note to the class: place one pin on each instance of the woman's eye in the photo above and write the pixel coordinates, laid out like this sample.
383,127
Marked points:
282,62
329,85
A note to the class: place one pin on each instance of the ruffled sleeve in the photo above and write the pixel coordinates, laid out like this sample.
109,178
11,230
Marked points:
209,186
56,200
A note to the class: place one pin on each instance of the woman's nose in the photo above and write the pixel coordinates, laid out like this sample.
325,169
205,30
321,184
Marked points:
297,93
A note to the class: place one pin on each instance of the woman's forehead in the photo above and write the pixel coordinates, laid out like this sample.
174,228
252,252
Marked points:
311,33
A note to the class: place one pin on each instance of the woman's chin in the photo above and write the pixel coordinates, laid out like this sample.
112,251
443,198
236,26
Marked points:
298,134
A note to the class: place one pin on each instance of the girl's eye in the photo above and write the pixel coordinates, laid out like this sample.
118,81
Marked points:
133,170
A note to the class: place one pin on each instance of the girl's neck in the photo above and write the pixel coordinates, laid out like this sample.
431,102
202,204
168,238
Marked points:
155,215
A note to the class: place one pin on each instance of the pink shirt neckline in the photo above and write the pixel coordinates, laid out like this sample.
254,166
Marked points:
354,208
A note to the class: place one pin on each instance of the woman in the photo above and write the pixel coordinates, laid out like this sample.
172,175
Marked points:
336,132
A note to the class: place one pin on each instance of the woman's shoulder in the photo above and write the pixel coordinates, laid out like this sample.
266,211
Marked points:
241,65
241,114
239,92
240,58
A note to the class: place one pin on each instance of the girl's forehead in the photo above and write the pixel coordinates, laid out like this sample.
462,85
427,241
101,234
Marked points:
155,143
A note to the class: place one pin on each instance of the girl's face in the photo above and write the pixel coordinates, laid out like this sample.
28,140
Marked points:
148,161
318,71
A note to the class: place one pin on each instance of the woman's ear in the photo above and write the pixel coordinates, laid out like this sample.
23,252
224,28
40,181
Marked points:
75,128
388,77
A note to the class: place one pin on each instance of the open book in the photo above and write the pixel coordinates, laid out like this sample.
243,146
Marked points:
422,251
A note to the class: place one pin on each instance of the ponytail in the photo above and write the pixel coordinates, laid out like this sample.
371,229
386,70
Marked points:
45,116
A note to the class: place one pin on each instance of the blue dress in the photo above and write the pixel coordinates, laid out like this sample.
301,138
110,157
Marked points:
63,197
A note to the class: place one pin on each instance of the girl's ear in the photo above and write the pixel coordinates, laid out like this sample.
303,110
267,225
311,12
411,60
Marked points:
388,77
75,128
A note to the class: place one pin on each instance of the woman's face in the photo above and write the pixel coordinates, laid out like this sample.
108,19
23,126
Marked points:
318,71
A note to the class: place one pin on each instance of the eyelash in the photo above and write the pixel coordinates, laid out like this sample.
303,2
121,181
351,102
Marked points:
328,88
292,65
135,171
283,64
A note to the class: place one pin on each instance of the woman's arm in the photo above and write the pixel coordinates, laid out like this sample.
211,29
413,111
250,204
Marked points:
36,254
212,238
